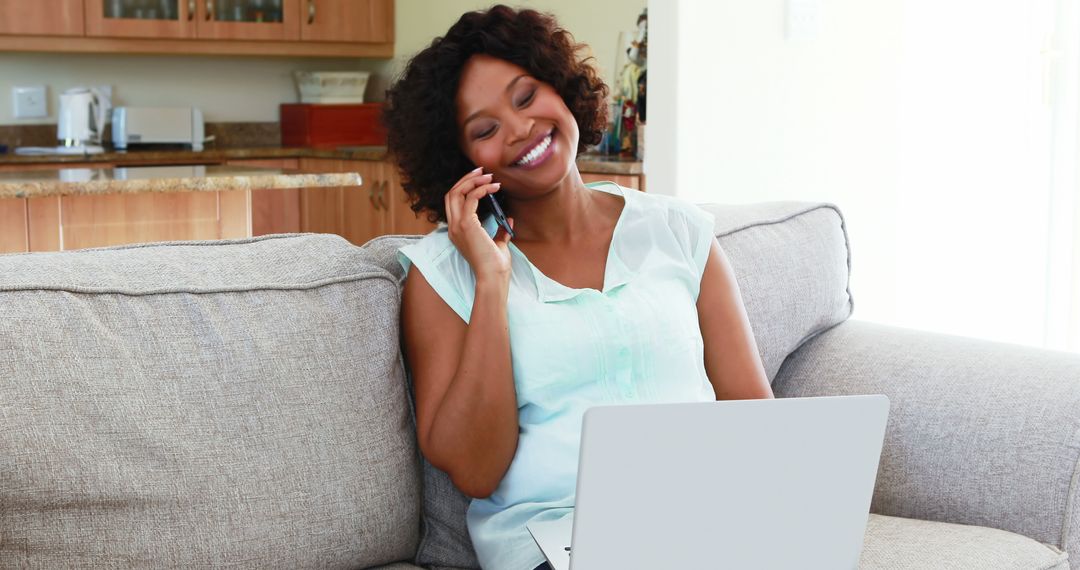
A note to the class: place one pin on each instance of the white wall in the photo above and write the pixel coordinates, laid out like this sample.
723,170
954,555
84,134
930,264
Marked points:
760,118
251,88
925,124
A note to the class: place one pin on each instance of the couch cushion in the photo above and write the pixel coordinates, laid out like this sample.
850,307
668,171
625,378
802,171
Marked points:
792,263
894,543
793,266
204,404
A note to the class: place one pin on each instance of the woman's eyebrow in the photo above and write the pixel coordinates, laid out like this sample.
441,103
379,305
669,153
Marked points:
509,86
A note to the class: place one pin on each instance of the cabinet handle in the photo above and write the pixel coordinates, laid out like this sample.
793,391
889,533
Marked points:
382,195
311,11
371,195
191,10
209,10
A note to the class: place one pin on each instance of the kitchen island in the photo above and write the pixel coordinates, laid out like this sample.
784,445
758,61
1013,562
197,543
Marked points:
72,208
381,207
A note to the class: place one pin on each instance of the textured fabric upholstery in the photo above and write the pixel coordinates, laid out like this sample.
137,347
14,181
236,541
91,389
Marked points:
243,403
894,543
980,433
229,403
791,261
793,264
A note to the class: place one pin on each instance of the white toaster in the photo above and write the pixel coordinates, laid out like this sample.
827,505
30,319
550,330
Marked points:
157,125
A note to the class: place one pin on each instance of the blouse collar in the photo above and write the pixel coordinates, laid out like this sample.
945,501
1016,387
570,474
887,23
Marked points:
616,273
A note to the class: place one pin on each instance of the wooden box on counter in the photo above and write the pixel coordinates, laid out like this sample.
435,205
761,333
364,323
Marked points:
331,126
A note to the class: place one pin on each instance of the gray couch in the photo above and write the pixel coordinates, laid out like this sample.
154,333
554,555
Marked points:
244,403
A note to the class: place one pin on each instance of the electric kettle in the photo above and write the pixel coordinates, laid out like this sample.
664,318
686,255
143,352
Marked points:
82,117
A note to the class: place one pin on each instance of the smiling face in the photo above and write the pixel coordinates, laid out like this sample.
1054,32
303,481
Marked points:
514,126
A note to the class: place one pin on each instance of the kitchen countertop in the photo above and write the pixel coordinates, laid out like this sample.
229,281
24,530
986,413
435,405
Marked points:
591,163
198,178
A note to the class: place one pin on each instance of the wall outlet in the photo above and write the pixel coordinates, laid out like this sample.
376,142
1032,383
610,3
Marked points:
30,102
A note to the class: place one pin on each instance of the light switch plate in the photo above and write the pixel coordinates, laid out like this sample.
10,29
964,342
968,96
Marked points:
30,102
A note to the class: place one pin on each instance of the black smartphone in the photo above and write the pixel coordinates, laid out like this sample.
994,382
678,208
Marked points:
499,215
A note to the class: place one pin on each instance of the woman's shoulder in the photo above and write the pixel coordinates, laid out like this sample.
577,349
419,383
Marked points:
434,245
670,210
443,267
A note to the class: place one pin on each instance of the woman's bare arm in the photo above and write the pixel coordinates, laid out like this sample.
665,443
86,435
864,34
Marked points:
731,354
466,405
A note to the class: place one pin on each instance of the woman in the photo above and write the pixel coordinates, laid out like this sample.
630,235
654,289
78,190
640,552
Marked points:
604,295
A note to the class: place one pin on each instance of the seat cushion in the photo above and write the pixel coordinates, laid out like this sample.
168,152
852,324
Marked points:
792,263
894,543
231,403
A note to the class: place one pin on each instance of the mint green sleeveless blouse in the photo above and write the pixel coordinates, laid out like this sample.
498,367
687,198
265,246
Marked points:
637,341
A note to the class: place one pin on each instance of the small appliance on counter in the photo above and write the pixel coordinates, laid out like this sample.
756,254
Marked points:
158,126
81,123
82,119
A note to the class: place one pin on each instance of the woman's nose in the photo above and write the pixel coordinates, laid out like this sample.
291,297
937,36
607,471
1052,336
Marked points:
520,128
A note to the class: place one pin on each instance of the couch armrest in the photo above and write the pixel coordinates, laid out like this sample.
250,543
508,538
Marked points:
979,432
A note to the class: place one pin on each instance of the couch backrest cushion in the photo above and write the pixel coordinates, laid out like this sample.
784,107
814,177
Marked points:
792,263
204,404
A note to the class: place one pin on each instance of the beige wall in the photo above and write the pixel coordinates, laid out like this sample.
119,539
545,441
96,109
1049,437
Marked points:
250,89
594,22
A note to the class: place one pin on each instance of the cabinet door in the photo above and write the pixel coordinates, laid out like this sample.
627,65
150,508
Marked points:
353,212
274,210
357,21
141,18
112,219
249,19
42,17
13,236
402,219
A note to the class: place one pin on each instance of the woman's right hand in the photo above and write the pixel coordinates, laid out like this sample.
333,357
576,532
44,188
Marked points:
488,257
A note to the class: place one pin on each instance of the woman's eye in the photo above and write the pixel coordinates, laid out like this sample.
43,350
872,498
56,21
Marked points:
528,98
485,133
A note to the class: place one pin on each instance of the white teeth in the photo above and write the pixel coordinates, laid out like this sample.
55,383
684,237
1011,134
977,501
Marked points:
535,152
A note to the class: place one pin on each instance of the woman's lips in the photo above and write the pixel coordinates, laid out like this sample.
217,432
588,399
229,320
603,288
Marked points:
538,153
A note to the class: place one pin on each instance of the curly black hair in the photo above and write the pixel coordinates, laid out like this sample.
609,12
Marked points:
420,113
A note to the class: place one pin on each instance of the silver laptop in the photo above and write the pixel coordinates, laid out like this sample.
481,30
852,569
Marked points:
781,483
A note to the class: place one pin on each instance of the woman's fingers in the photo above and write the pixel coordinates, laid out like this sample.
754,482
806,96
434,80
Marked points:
501,235
446,207
455,198
474,196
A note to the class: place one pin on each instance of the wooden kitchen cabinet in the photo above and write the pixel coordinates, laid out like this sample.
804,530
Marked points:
353,212
274,210
248,19
13,231
363,21
293,28
131,19
42,17
58,223
358,214
205,19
